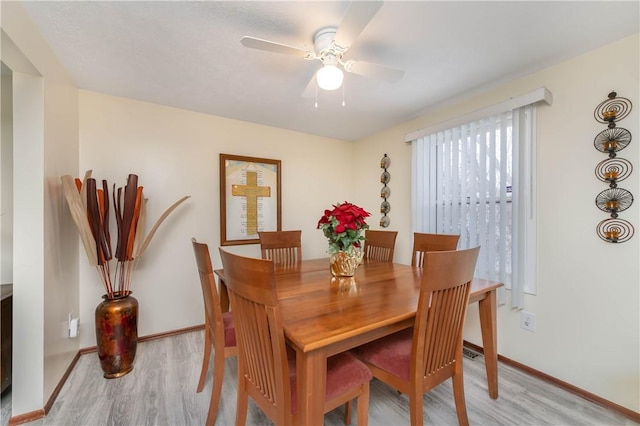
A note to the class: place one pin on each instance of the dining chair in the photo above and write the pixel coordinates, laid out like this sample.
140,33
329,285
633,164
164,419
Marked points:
417,359
379,245
423,243
266,364
283,247
219,330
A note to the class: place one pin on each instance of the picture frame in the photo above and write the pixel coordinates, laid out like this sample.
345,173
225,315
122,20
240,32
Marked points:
250,198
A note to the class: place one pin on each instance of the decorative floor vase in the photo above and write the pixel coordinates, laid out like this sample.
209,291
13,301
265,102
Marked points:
117,334
344,264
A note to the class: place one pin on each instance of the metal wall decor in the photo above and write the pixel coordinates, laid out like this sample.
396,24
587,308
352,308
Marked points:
613,170
385,193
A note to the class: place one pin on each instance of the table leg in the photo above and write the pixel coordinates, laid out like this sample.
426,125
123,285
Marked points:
312,379
488,325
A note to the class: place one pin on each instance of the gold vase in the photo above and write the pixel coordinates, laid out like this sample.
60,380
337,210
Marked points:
345,285
344,264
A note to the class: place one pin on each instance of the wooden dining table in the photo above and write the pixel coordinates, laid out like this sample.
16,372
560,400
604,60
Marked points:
324,315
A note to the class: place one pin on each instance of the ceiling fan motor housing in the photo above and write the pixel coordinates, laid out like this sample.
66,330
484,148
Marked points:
324,45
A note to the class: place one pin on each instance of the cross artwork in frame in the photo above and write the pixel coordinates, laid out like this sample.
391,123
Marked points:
250,198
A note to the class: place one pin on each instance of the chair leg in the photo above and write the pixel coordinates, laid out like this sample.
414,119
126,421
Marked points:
205,358
458,395
242,405
415,406
347,413
216,390
363,406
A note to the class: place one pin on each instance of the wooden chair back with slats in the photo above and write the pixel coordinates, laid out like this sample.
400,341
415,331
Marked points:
218,329
435,350
442,307
262,363
379,245
266,370
423,243
283,247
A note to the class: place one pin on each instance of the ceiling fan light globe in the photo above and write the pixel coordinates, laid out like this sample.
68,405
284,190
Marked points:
329,77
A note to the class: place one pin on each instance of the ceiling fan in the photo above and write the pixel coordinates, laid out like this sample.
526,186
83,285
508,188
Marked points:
330,46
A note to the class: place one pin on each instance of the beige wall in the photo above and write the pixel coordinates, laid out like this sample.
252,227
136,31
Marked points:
44,269
175,153
6,188
587,304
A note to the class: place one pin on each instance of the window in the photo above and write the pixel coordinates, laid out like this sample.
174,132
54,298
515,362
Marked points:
477,180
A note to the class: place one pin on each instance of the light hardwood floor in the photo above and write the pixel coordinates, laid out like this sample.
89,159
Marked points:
161,390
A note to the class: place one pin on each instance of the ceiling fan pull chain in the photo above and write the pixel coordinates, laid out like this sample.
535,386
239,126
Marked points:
343,104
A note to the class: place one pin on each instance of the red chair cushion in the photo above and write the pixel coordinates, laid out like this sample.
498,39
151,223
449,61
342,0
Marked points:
229,330
391,353
344,372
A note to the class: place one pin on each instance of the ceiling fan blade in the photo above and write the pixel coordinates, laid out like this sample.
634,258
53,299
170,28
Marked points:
380,72
271,46
356,19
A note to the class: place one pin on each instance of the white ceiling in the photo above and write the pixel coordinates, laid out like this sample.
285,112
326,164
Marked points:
188,55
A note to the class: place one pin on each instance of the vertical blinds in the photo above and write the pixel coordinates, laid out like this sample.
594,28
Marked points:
470,189
466,181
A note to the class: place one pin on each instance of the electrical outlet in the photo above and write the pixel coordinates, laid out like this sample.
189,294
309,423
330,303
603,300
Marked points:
73,327
527,321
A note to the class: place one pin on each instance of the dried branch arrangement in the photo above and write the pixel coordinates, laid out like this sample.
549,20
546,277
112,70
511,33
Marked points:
89,206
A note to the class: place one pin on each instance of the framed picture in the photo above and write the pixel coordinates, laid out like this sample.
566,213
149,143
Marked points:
250,198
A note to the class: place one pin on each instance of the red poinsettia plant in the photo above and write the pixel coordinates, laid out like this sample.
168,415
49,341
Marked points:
343,227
